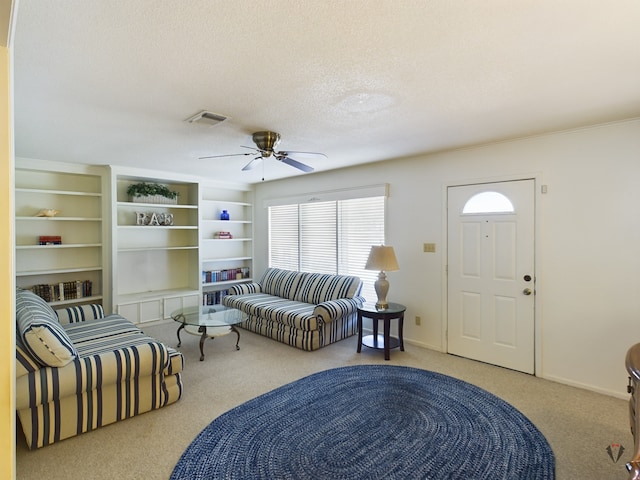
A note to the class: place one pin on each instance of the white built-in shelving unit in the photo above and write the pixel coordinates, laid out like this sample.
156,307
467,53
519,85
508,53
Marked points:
160,269
225,261
76,193
155,267
143,272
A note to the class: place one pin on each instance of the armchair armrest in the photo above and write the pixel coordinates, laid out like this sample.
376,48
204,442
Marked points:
80,313
89,373
333,309
243,288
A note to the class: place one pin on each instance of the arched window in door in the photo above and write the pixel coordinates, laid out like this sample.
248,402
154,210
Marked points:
488,202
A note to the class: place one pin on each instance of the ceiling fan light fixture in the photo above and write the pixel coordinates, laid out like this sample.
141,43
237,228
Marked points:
207,118
266,142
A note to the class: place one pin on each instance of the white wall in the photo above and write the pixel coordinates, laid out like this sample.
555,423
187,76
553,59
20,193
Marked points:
588,235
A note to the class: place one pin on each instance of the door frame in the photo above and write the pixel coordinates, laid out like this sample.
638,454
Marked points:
537,316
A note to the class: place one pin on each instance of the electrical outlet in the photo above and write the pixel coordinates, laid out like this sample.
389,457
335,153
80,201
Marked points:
429,247
418,320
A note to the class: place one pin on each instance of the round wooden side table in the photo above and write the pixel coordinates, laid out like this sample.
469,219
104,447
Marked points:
385,341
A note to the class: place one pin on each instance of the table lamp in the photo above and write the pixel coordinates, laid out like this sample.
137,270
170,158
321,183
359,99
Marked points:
382,258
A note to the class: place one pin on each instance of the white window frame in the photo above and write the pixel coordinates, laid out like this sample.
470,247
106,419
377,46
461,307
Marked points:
359,253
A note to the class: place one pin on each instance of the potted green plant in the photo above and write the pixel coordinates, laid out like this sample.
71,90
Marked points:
151,193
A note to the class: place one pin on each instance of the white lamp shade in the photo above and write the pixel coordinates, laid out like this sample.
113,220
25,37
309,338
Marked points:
382,258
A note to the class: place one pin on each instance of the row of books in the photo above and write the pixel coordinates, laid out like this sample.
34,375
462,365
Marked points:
49,240
213,298
211,276
63,290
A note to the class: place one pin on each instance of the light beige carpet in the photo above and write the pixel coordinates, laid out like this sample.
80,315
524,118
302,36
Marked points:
578,424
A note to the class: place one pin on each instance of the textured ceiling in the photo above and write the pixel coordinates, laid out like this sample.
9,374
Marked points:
112,82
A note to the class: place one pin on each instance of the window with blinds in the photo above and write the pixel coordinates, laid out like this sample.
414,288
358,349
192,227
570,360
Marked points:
328,237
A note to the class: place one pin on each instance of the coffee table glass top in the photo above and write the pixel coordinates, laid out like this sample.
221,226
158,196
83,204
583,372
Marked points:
208,316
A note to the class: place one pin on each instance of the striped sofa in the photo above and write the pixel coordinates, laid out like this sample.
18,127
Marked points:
77,370
305,310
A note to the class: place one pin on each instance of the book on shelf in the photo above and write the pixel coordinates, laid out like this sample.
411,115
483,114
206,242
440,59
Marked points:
49,240
223,235
212,276
213,298
59,292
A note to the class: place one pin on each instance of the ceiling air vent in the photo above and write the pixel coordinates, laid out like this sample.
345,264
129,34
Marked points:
207,118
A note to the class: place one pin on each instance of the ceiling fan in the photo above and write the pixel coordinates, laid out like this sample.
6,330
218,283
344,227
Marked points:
266,142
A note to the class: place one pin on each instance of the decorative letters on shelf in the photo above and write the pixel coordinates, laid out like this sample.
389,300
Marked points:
153,218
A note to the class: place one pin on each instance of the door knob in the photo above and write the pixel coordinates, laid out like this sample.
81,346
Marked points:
527,291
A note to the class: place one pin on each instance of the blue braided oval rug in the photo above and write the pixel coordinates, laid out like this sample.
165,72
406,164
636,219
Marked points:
370,422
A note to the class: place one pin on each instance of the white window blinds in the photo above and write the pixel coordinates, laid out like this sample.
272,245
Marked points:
327,237
283,237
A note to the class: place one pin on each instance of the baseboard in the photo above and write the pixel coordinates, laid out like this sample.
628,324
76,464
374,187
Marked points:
424,345
586,386
551,378
153,323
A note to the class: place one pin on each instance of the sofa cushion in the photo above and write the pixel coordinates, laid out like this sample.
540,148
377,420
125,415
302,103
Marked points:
42,334
281,283
277,309
25,363
112,332
319,287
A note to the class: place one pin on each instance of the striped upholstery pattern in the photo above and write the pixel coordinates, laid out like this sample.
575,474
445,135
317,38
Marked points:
80,313
308,340
304,310
25,363
318,287
119,372
326,311
281,283
39,329
242,288
280,310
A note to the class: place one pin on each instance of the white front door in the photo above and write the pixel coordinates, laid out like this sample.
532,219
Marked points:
491,273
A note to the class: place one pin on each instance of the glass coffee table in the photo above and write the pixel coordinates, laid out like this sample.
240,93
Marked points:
208,321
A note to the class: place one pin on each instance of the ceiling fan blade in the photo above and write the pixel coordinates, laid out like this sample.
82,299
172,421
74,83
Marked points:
292,152
295,163
228,155
251,164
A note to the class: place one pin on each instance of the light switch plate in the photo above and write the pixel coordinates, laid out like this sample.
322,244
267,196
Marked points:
429,247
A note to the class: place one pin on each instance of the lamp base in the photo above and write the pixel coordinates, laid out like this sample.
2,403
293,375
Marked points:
381,286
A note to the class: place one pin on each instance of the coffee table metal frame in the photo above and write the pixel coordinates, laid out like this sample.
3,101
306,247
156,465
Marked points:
208,321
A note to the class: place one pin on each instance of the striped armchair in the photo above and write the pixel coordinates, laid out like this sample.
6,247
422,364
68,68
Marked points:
77,370
305,310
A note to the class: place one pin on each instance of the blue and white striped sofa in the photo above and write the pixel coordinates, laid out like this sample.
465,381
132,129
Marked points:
305,310
77,370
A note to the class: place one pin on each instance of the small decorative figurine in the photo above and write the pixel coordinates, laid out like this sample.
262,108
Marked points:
47,212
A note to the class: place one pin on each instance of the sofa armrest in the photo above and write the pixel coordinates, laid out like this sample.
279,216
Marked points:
243,288
80,313
121,365
334,309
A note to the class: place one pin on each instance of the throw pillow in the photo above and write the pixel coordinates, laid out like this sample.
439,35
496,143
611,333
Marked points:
80,313
42,334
